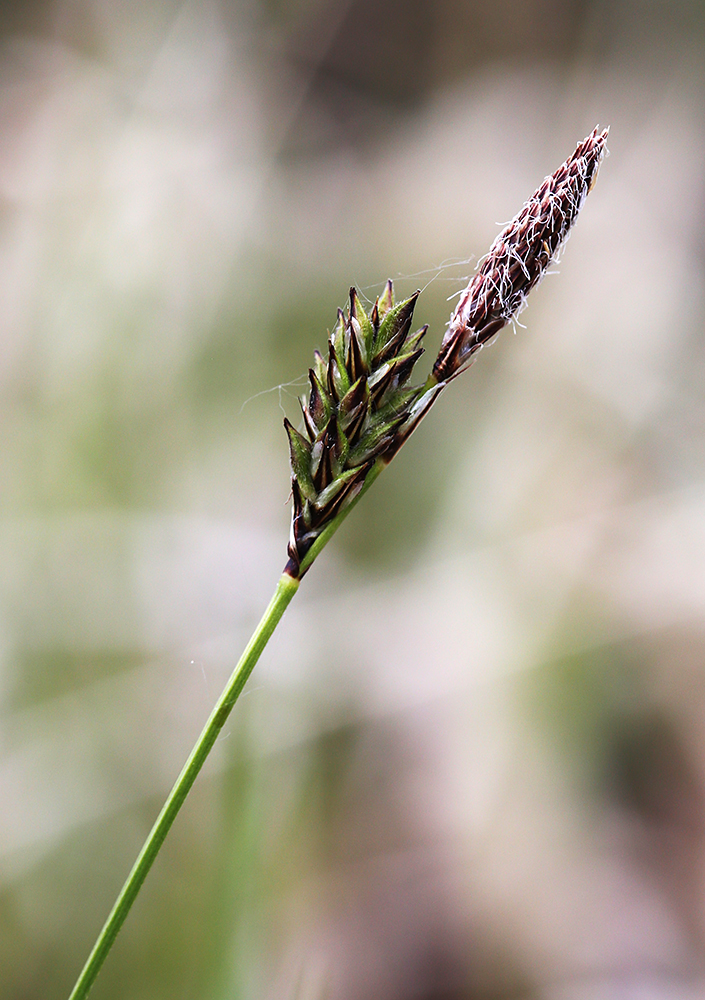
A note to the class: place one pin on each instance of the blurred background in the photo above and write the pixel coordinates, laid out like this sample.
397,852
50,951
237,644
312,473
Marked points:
471,764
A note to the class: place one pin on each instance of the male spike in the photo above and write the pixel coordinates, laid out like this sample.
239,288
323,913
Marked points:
519,258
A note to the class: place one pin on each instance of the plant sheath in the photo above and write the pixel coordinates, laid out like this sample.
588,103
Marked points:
286,588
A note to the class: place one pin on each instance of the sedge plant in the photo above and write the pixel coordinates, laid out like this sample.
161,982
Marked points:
358,413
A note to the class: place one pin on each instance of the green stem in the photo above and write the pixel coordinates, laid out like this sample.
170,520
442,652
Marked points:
286,588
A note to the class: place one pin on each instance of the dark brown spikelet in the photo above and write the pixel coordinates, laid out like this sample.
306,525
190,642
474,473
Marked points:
519,257
359,410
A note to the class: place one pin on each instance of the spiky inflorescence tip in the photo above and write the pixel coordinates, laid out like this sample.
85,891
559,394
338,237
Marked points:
519,257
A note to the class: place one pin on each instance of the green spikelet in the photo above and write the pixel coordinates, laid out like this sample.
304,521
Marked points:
359,410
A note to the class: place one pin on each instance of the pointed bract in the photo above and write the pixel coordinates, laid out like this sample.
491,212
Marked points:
318,401
300,454
357,312
393,329
356,353
386,299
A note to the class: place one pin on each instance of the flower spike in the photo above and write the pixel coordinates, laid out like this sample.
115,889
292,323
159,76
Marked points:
360,411
519,258
357,404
